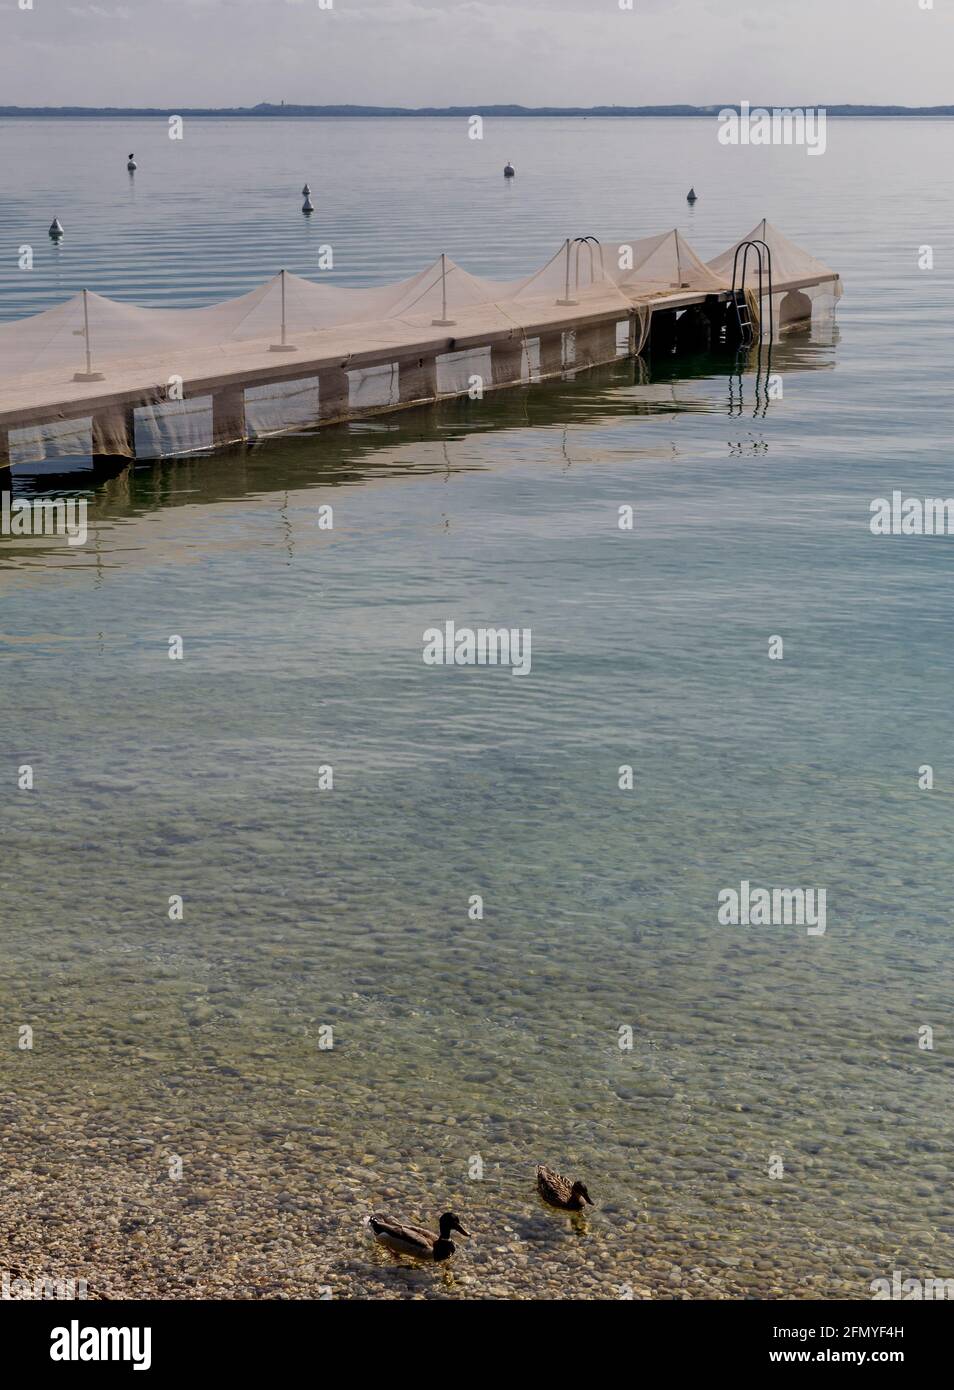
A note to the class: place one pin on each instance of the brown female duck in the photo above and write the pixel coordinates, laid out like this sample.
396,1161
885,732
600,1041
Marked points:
560,1192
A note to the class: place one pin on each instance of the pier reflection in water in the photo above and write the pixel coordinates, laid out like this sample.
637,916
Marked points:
734,383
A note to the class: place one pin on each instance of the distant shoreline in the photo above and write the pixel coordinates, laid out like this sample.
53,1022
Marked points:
266,111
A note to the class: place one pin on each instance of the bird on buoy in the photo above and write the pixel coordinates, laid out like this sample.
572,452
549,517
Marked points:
691,196
306,192
509,170
132,166
307,206
56,229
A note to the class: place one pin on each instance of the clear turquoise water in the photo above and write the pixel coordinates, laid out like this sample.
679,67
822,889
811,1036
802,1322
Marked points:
302,908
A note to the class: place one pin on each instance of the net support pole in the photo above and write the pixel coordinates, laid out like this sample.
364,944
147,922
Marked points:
443,321
89,374
89,359
566,300
284,345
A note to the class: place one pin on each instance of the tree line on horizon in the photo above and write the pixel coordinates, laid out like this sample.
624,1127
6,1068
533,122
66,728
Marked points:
271,109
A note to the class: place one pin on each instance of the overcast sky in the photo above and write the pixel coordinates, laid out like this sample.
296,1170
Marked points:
460,52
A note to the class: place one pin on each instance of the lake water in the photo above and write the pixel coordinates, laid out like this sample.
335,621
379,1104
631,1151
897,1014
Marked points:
495,1040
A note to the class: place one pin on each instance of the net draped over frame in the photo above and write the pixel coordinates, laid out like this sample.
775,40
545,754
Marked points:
790,266
623,273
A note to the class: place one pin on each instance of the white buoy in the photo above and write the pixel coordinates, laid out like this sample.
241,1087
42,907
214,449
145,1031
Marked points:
509,170
307,206
56,229
691,196
306,192
132,166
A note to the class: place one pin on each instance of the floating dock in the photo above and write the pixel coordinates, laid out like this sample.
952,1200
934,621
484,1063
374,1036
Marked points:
94,378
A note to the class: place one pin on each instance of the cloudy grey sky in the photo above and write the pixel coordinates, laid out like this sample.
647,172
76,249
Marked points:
460,52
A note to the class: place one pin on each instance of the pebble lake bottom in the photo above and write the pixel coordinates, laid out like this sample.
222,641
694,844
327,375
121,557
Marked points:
159,1043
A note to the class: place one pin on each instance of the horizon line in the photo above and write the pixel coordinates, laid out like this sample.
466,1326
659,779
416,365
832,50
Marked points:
503,109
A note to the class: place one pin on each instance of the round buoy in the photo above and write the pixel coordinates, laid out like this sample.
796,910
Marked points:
509,171
307,206
132,166
691,196
56,229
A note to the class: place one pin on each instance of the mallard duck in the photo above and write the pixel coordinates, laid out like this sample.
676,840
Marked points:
560,1192
414,1241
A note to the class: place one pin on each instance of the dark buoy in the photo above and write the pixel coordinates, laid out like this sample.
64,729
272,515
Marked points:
132,166
307,206
56,229
509,170
691,196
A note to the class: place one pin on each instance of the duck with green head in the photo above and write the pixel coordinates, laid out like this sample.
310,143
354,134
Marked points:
414,1241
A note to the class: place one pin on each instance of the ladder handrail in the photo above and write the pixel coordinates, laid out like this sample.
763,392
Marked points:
589,241
757,245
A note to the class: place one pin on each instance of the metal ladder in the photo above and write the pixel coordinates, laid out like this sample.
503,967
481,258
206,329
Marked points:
739,301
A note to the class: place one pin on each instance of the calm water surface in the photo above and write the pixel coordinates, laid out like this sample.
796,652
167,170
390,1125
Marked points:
496,1038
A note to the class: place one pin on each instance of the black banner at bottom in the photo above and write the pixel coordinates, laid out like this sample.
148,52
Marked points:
169,1339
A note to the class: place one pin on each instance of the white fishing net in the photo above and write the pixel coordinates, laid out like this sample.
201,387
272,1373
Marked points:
281,405
660,265
812,289
61,444
91,348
